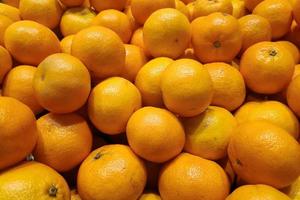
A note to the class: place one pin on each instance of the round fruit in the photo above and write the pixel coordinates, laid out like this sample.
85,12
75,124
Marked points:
108,4
262,153
30,42
148,81
124,177
10,11
147,135
170,41
293,97
179,5
133,22
111,103
33,180
14,3
238,8
228,83
272,111
208,134
115,20
4,23
187,88
150,196
71,3
214,41
292,48
5,64
296,10
18,132
76,19
61,83
101,50
75,195
294,34
187,177
138,40
19,85
66,44
206,7
267,67
251,4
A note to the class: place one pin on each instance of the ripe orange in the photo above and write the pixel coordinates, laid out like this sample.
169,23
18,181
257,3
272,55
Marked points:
150,196
111,104
190,8
292,48
66,44
46,12
115,20
4,23
170,41
272,111
293,191
147,136
108,4
19,85
18,132
33,180
125,176
206,7
61,83
189,53
72,3
294,34
251,192
14,3
62,137
188,1
101,50
187,177
5,64
76,19
254,29
293,97
208,134
214,41
141,10
186,87
148,81
135,59
267,67
228,83
138,40
251,4
133,22
75,195
297,71
179,5
30,42
296,10
10,11
238,8
278,13
262,153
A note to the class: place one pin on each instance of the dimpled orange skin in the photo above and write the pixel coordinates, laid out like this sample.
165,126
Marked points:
155,134
187,177
216,38
66,44
33,180
293,97
111,103
101,50
4,23
10,12
292,48
194,88
15,143
72,3
150,196
278,13
30,42
267,67
206,7
108,4
5,64
19,85
115,169
262,153
61,83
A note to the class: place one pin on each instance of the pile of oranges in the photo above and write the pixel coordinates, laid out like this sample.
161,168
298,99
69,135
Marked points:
149,99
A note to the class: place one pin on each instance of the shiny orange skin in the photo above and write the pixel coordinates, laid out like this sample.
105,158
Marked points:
293,97
138,40
292,48
4,23
72,3
108,4
66,44
251,4
296,10
10,11
206,7
5,64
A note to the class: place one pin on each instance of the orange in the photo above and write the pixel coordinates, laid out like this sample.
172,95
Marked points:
30,42
293,191
179,5
4,23
294,34
124,177
135,59
62,137
148,81
138,40
188,1
75,195
272,111
66,44
133,22
147,136
297,71
208,134
116,21
14,3
108,4
186,87
111,104
170,41
150,196
206,7
19,85
72,3
293,97
32,180
278,13
187,177
214,41
228,83
251,4
101,50
296,10
262,153
5,64
292,48
141,10
18,132
190,7
76,19
46,12
238,8
61,83
10,11
254,29
252,192
267,67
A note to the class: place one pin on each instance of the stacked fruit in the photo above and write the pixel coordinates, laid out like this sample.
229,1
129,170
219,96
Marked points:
149,99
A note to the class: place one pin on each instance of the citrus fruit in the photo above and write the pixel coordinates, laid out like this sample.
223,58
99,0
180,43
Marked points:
72,3
238,8
292,48
251,4
75,195
293,96
14,3
5,64
133,22
296,10
150,196
138,40
294,34
66,44
4,23
179,5
206,7
10,11
108,4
